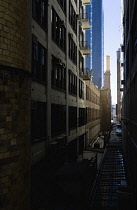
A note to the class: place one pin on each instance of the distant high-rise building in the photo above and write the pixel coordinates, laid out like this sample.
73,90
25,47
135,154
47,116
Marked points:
107,73
107,86
95,37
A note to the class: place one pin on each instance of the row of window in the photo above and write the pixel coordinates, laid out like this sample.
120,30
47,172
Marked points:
39,12
58,119
58,71
39,60
58,30
58,74
72,17
92,96
72,50
72,83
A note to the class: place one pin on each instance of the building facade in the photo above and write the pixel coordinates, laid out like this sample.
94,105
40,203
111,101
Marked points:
15,78
118,87
107,84
129,113
49,106
95,37
58,91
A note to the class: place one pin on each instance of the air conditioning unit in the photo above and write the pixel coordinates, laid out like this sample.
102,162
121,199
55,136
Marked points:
63,65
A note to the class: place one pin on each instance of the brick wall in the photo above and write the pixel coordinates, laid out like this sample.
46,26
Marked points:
15,55
15,32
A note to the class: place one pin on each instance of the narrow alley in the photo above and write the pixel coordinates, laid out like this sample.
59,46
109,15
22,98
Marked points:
111,189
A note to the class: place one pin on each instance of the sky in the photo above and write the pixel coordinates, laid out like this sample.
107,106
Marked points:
112,39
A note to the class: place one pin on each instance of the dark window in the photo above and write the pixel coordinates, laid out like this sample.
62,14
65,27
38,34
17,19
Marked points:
58,30
39,11
58,74
89,114
81,144
39,58
72,83
81,62
72,150
38,121
82,116
62,4
88,93
72,117
58,119
81,89
72,17
72,50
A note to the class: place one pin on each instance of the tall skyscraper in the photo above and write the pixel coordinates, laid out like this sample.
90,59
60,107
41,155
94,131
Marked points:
95,37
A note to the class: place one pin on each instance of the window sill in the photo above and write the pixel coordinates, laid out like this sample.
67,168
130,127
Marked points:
43,27
59,89
58,45
38,81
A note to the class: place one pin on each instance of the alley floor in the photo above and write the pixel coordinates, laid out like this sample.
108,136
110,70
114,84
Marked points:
112,191
111,187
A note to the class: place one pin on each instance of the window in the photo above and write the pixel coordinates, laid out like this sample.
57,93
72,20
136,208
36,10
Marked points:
39,11
81,89
81,144
72,83
72,18
89,114
58,119
38,121
72,117
39,58
72,50
72,150
58,74
82,116
88,93
81,62
58,30
62,4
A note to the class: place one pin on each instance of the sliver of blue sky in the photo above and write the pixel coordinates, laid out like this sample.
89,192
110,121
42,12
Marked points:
112,39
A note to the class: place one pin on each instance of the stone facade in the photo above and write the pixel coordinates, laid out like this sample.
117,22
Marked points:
104,111
15,57
107,85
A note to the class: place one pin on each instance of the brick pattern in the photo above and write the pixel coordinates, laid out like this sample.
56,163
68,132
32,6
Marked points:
15,33
14,139
15,60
